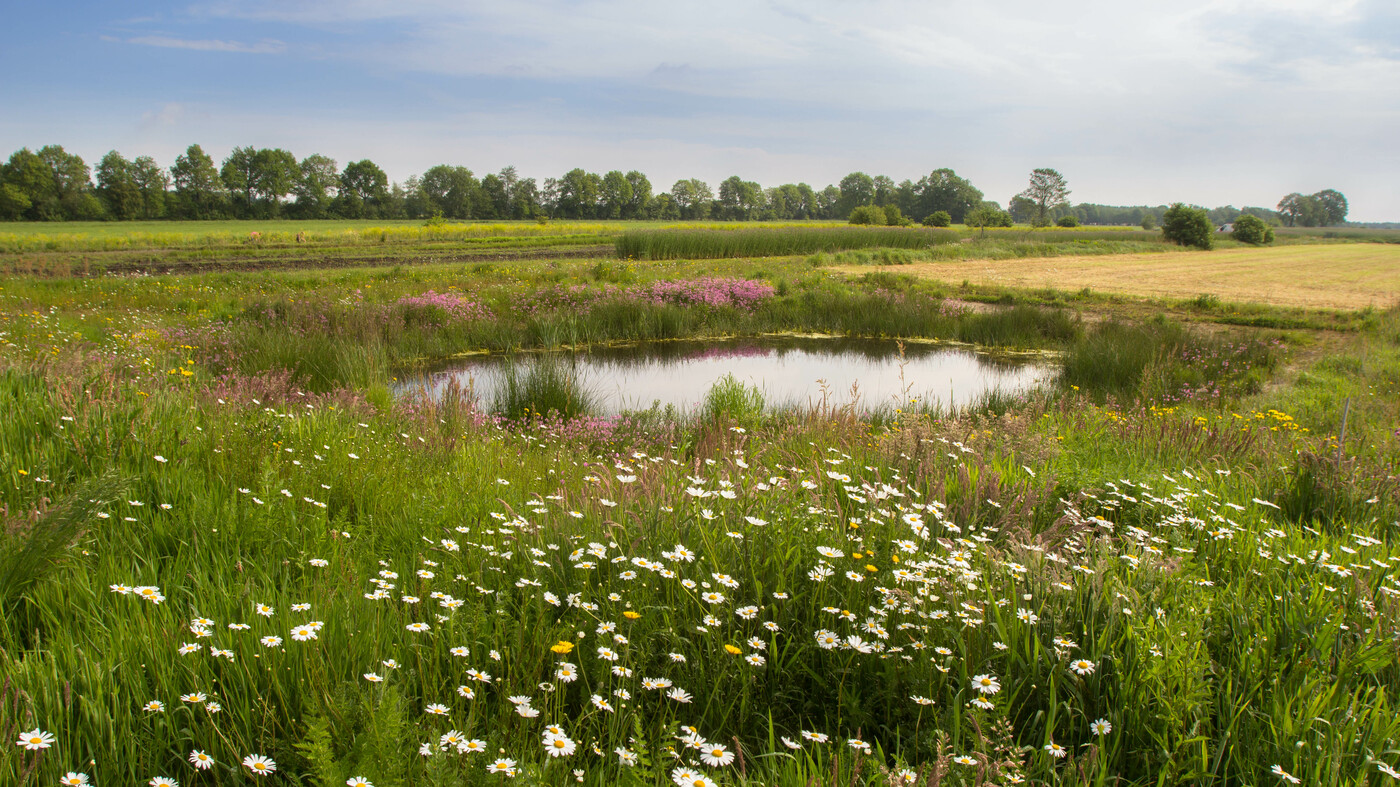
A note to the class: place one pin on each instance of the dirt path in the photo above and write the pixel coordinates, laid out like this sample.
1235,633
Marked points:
1334,276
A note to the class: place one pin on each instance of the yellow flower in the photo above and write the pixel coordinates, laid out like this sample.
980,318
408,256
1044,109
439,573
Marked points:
870,568
562,647
631,615
732,649
857,555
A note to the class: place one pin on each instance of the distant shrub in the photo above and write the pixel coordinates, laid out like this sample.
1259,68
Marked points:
1067,221
894,217
1252,230
938,218
1149,222
868,214
1188,226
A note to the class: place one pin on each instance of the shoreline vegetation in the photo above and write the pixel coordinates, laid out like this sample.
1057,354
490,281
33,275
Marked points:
223,539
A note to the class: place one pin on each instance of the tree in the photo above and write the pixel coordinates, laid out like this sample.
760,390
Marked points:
578,194
827,200
1048,191
116,187
739,198
30,191
1069,220
987,216
1023,211
1252,230
885,191
1188,226
857,189
317,180
451,190
153,184
867,214
692,198
1149,221
639,206
239,176
275,173
614,195
198,187
364,190
943,190
1334,206
938,218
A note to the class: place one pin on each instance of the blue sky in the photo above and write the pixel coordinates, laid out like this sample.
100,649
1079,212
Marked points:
1203,101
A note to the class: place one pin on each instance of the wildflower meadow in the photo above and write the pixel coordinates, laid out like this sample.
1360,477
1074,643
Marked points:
231,556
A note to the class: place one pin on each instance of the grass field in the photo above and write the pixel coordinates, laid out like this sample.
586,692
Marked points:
223,543
1342,276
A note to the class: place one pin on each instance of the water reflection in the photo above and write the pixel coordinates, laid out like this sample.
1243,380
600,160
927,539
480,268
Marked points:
789,370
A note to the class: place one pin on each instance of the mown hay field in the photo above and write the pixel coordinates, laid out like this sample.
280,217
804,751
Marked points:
1352,276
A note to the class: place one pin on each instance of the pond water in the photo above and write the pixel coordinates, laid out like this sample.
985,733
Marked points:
790,371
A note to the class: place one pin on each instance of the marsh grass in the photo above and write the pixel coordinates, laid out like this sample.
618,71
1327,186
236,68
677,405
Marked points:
545,385
713,244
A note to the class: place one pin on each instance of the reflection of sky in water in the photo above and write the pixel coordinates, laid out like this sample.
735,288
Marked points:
788,371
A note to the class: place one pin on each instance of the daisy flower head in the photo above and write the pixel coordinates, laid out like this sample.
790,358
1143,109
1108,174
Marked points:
35,739
503,765
201,760
1100,727
373,678
271,641
1056,750
1285,775
679,695
1082,666
566,672
986,684
473,746
716,755
260,765
963,759
559,745
303,633
357,781
163,781
684,777
72,778
858,745
816,737
154,706
1388,771
436,709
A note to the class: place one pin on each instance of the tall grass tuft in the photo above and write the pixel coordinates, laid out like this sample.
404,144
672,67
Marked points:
30,552
542,387
718,244
731,400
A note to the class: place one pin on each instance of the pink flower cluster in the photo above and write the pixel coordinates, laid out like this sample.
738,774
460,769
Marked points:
454,307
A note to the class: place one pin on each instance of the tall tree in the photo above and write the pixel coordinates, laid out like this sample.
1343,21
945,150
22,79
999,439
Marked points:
198,187
239,175
578,194
452,190
639,206
116,187
943,190
738,198
364,190
1334,206
72,183
1048,191
153,184
30,190
857,189
692,197
614,195
275,173
316,183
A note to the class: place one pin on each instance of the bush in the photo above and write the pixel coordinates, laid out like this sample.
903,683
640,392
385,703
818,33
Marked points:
1067,221
1149,222
868,214
1188,226
1252,230
894,217
938,218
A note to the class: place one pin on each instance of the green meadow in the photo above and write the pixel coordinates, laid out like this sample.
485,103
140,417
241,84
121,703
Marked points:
228,554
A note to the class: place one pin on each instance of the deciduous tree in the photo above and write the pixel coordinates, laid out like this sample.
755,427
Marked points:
1048,191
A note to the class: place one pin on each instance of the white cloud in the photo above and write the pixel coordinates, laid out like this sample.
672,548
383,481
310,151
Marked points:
267,46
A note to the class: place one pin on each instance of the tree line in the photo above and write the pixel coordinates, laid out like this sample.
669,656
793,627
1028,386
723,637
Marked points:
51,184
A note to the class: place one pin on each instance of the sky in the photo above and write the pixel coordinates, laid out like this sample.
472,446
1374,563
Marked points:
1210,102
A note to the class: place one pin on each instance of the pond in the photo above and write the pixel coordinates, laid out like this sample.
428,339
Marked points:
789,370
